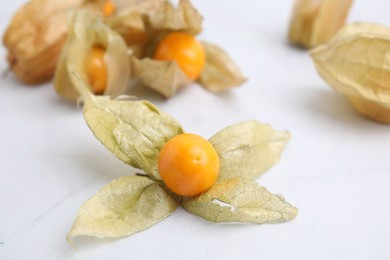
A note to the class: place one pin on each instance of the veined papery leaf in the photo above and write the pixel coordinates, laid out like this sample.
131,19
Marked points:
134,131
241,200
125,206
248,149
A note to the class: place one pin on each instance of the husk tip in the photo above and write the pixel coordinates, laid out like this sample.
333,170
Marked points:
69,240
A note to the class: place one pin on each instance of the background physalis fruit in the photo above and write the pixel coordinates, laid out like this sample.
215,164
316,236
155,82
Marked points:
185,50
188,164
168,71
355,64
315,22
35,36
96,54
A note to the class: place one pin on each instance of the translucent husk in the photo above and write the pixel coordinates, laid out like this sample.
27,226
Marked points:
164,77
146,7
134,131
131,27
131,23
314,22
248,149
356,64
87,30
184,18
125,206
242,200
220,73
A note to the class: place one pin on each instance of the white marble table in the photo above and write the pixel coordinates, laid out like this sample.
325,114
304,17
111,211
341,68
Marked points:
336,169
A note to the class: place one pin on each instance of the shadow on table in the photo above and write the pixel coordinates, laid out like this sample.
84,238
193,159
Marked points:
326,105
99,163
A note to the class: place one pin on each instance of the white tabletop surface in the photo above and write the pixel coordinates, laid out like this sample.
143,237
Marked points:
336,168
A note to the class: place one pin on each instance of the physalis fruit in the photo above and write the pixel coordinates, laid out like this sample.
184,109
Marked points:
185,50
188,164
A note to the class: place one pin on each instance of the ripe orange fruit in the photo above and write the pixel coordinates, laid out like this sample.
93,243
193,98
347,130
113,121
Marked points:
108,8
185,50
96,69
188,164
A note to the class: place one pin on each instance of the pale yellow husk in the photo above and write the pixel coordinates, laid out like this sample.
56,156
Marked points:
164,77
315,22
248,149
183,18
356,63
241,200
125,206
220,73
134,131
374,110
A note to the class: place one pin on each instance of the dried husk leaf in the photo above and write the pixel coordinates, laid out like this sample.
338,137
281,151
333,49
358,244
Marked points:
35,36
248,149
140,6
131,27
167,19
134,131
315,22
220,73
184,18
125,206
241,200
87,30
355,63
165,77
131,22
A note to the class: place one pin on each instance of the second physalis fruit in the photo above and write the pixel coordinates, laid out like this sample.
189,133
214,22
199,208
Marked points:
188,164
315,22
185,50
171,57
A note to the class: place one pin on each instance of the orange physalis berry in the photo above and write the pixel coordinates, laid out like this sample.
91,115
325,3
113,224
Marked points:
188,164
185,50
108,8
96,70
